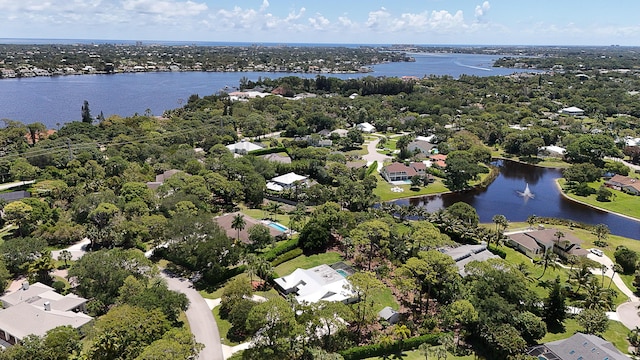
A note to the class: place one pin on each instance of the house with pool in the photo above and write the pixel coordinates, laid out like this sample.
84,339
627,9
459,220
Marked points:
320,283
225,221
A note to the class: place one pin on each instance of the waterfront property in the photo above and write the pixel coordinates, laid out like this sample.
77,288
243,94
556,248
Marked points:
36,309
320,283
537,242
624,183
401,172
579,346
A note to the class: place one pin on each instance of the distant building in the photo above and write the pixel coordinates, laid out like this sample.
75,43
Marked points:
243,147
287,181
397,172
161,178
321,283
572,110
36,309
283,159
439,160
366,127
552,150
421,147
579,346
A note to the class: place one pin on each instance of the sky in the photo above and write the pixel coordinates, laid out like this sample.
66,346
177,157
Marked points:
455,22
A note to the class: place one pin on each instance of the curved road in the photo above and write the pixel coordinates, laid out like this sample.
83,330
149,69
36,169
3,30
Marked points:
373,154
203,325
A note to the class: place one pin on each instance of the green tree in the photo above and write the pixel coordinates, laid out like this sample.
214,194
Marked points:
175,344
601,231
125,331
626,258
555,309
18,253
548,260
260,236
314,237
464,212
86,113
461,168
39,270
277,334
603,194
66,256
19,213
593,321
364,284
591,148
61,343
501,224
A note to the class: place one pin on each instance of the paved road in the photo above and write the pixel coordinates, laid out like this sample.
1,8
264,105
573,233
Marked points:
627,312
203,325
374,155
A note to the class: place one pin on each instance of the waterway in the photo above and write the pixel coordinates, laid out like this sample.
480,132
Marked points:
503,197
57,100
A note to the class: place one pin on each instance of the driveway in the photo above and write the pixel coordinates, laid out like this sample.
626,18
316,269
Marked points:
373,154
203,325
76,250
627,312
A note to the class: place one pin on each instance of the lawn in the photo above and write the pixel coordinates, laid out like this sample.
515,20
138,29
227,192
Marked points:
260,214
223,327
621,202
616,334
383,190
307,262
415,355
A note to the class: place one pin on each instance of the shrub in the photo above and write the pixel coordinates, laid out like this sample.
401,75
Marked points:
287,256
280,249
375,350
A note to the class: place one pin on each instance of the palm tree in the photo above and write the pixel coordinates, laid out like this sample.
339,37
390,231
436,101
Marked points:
401,332
274,209
65,255
501,224
425,349
581,276
238,224
616,269
601,231
604,269
531,220
547,260
558,235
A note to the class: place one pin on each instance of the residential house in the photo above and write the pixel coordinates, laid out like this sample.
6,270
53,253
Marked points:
579,346
465,254
536,243
36,309
225,221
283,159
244,147
320,283
572,110
439,160
366,127
340,132
397,172
161,178
552,150
287,181
421,147
624,183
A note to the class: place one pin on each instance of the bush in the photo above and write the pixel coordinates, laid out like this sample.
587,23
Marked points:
498,252
286,256
280,249
375,350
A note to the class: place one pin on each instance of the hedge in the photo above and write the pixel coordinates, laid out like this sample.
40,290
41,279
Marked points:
375,350
499,252
280,249
373,167
267,151
286,256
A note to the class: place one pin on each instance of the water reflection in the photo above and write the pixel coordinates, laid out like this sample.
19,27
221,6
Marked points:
502,197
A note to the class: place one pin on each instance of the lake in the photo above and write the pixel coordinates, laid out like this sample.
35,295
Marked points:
503,197
56,100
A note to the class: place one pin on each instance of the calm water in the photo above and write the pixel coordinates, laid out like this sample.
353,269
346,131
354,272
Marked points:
501,197
53,100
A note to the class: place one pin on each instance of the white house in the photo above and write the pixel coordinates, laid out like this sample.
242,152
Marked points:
366,127
243,147
286,181
552,150
572,110
36,309
319,283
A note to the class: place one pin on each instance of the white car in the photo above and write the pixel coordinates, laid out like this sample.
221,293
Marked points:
597,252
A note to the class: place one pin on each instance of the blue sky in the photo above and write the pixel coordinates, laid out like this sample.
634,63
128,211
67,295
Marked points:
500,22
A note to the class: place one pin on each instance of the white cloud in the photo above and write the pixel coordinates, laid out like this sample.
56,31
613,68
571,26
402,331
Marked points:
482,10
319,22
165,8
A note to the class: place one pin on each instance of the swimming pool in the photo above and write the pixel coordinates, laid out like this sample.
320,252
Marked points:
278,226
342,272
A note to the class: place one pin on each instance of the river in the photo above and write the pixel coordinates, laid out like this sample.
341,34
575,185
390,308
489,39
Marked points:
502,197
56,100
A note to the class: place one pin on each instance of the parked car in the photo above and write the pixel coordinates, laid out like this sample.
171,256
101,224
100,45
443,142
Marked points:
597,252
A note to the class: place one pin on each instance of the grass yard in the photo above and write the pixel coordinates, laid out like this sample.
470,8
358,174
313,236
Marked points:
307,262
260,214
415,355
223,327
383,190
384,298
621,202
